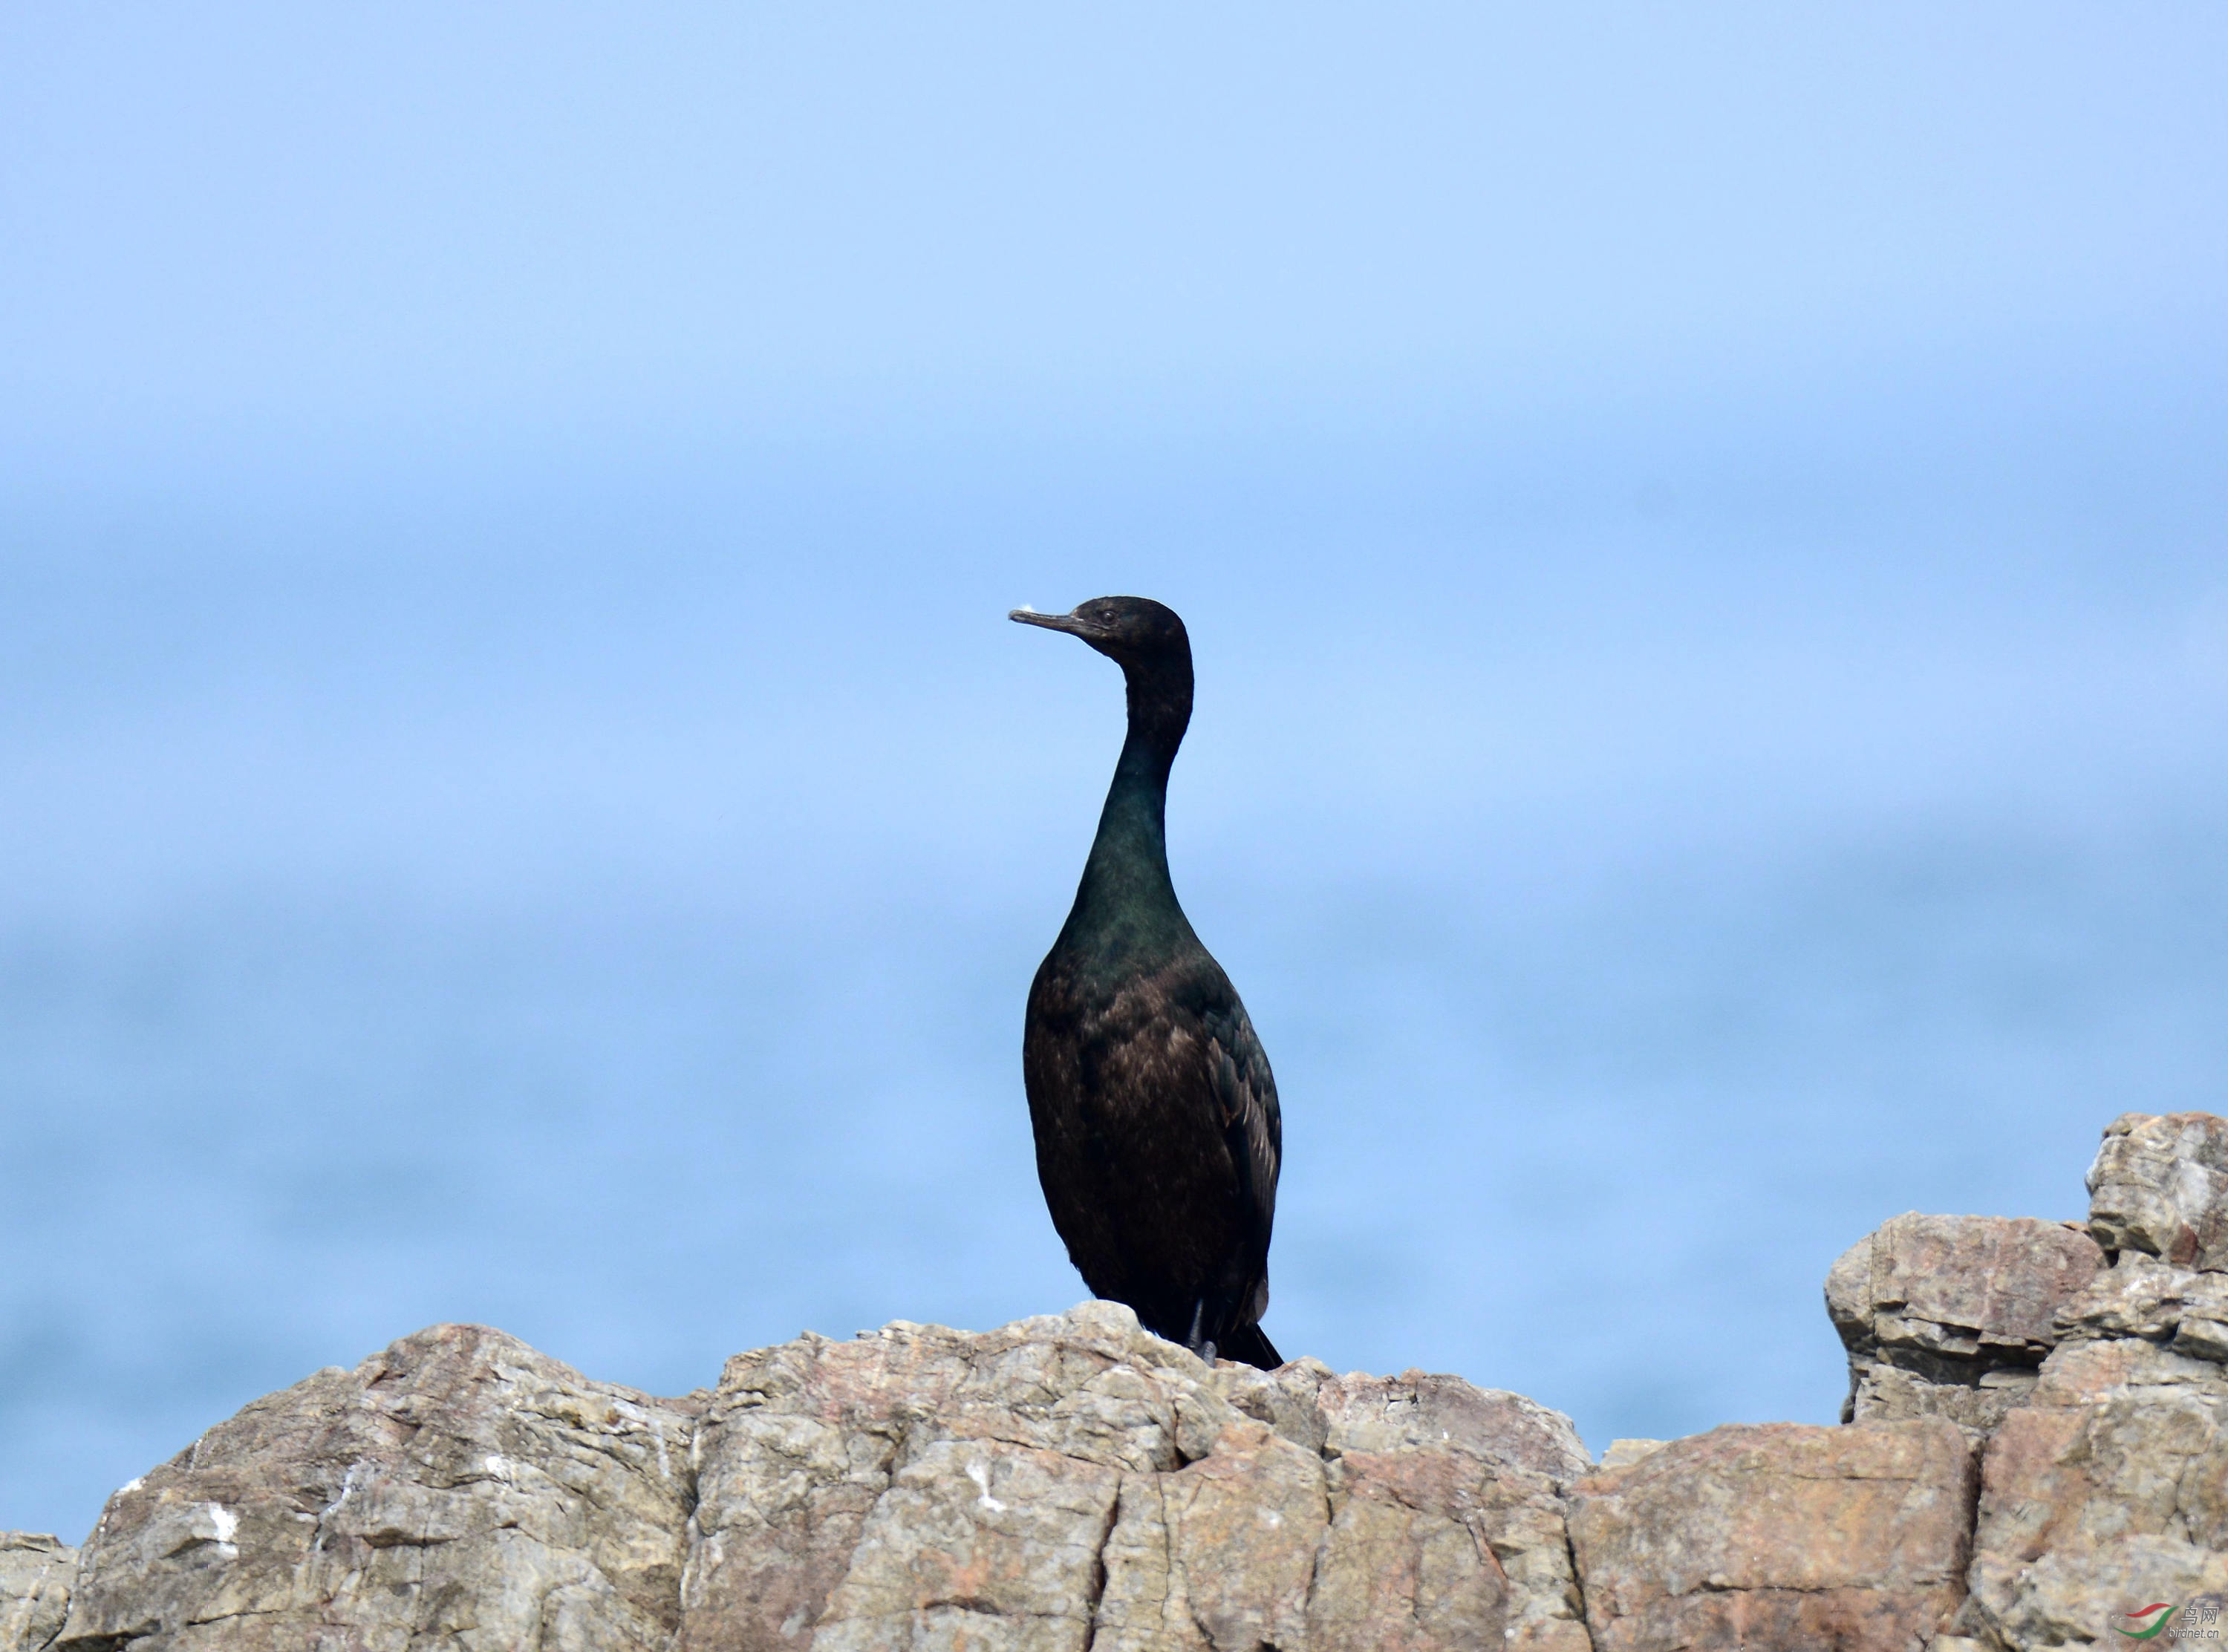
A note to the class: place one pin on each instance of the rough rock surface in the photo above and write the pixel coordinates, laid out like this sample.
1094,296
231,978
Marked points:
1074,1483
1062,1482
36,1575
2159,1185
2039,1443
1949,1315
1779,1535
2107,1489
458,1490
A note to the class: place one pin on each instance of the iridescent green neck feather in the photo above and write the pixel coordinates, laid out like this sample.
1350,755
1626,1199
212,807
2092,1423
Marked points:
1126,907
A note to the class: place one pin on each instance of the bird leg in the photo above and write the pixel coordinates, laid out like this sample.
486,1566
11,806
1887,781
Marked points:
1204,1350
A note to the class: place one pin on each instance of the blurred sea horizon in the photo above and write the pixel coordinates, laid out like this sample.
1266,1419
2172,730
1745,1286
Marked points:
602,908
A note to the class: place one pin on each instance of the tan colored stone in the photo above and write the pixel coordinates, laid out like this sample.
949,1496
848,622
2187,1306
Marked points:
459,1487
1447,1530
1778,1538
2088,1373
1949,1316
1246,1522
1073,1482
1221,1553
979,1541
1145,1606
2069,1597
1624,1453
795,1449
1076,1481
2140,1296
2111,1484
2159,1185
1416,1410
1436,1549
1967,1287
36,1572
1284,1398
1881,1392
1056,1484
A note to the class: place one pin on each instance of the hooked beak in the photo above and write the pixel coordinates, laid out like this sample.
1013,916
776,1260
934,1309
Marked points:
1068,622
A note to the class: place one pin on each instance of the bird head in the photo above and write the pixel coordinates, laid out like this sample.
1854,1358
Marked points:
1132,631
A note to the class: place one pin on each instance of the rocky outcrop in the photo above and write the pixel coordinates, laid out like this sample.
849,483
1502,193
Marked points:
36,1574
1952,1315
1778,1535
1060,1483
2159,1188
2036,1441
2107,1489
1075,1482
457,1490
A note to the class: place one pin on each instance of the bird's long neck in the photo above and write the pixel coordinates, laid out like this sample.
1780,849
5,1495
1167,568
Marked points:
1126,902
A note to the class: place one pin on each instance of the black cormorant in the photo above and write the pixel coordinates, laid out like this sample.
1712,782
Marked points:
1158,1138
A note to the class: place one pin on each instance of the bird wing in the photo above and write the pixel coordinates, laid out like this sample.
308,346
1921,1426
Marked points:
1252,1124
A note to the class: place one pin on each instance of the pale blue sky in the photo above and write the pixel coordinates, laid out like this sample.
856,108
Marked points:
260,222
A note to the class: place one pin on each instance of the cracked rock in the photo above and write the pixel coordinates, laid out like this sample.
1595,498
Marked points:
2140,1296
2108,1489
1949,1315
2159,1185
1076,1483
1418,1412
457,1490
36,1572
2039,1441
1778,1537
2108,1486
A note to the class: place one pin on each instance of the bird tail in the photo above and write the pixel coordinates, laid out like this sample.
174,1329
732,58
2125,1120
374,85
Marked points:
1247,1345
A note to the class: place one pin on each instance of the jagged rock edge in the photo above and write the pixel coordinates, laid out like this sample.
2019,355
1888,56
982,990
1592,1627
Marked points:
1971,1612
